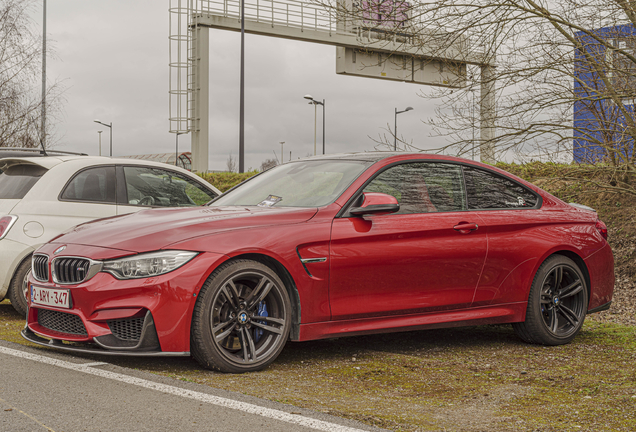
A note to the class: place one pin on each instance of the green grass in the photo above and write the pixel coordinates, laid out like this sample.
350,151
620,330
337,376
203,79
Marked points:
226,180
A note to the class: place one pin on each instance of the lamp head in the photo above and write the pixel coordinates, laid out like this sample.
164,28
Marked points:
409,109
310,97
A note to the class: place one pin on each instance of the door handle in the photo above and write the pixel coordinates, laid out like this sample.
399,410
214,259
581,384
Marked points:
466,227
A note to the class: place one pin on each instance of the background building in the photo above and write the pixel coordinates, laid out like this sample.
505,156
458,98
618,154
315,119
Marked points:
601,132
184,160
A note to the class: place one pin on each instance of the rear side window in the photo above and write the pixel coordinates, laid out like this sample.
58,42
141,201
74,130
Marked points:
17,180
486,190
93,185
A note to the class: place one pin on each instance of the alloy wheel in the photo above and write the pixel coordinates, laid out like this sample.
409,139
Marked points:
563,301
248,316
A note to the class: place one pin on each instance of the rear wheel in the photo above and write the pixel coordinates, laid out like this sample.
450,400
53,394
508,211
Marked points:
20,286
242,318
557,303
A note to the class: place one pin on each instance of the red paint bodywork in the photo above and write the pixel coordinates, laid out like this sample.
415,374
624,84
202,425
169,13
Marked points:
388,272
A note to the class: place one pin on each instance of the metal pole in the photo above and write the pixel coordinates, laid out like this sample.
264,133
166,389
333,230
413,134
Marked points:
43,120
395,132
242,94
395,126
315,120
176,149
201,98
100,142
473,115
281,152
487,115
110,132
323,126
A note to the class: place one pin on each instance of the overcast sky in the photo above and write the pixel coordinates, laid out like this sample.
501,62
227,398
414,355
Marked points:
112,59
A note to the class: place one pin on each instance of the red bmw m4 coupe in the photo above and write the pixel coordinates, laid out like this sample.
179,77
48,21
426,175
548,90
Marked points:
327,246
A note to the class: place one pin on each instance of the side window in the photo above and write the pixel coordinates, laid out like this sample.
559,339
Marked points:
422,187
486,190
93,185
157,187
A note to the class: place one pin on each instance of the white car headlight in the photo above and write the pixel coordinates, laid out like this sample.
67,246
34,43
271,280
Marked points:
147,264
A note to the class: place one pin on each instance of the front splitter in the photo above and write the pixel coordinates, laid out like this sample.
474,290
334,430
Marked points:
32,337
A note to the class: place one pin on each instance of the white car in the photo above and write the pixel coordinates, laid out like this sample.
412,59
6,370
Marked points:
41,197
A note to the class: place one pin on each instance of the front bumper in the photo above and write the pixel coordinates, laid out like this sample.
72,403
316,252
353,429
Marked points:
149,316
93,349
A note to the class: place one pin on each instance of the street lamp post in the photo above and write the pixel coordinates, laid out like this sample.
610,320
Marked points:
110,133
100,142
395,126
176,154
473,125
315,102
242,94
43,120
281,151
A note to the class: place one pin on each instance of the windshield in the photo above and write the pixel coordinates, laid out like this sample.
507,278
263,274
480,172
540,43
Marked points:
17,180
297,184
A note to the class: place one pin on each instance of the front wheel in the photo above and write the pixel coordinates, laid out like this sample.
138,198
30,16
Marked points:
20,286
241,319
557,303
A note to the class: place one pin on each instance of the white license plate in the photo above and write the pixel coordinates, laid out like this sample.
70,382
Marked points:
51,297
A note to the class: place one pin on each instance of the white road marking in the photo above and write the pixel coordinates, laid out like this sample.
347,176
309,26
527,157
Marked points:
202,397
94,364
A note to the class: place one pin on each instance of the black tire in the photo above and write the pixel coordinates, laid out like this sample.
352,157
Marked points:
229,334
557,303
19,286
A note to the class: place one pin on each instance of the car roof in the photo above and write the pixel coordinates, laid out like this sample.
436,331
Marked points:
46,162
51,161
33,152
362,156
78,162
376,156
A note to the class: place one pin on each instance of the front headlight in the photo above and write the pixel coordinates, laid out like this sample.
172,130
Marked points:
148,264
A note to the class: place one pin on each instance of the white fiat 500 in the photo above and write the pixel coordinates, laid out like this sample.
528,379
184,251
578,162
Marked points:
41,197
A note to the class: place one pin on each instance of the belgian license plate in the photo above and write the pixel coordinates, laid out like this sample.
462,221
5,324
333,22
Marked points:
51,297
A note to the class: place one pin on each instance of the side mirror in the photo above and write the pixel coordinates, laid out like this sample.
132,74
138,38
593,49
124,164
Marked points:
376,203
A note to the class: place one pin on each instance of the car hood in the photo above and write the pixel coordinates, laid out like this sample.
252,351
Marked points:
155,229
6,205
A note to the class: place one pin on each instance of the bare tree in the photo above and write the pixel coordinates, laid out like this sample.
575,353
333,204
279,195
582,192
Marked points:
20,54
550,59
268,163
230,163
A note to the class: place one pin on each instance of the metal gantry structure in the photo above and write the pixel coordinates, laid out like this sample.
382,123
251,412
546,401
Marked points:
191,20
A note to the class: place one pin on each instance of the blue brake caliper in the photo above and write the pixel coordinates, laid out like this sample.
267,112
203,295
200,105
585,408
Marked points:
262,311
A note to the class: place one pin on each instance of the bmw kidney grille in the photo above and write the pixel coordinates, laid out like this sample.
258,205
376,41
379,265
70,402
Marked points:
70,270
40,267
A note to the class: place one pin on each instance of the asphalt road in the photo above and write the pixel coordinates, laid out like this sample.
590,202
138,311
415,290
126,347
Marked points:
42,390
